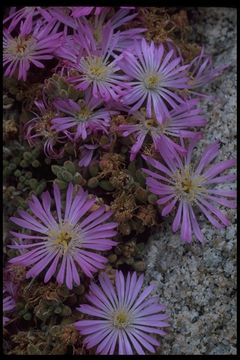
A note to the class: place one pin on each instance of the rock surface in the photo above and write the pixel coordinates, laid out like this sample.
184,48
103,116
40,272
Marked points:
198,282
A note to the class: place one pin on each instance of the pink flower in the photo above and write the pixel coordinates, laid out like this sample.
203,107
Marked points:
62,14
180,184
8,306
9,294
86,154
126,38
176,125
97,70
30,46
64,241
25,14
78,11
38,129
81,119
123,316
202,72
154,78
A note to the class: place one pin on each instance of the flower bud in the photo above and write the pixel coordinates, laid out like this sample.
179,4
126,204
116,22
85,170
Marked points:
65,176
62,184
105,185
152,198
69,166
141,195
36,164
139,266
93,169
56,169
93,183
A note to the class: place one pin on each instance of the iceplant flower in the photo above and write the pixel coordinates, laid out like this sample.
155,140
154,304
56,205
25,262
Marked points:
78,11
26,14
155,75
126,38
62,15
32,45
10,291
176,125
202,72
96,68
38,129
82,118
64,241
124,316
9,305
86,154
178,183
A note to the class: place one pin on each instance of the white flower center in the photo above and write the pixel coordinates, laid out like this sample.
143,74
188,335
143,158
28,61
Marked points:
21,46
149,123
96,69
66,237
186,185
151,81
83,114
121,319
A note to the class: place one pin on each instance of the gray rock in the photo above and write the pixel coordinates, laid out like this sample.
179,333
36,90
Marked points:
198,282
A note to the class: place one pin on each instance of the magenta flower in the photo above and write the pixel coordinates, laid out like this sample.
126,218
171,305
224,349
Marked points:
63,16
86,154
26,14
155,77
38,129
10,286
64,243
124,316
8,306
81,119
176,125
97,69
30,46
78,11
202,72
126,38
179,184
10,292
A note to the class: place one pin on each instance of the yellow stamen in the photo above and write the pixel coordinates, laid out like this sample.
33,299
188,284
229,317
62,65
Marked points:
151,123
151,81
121,319
43,126
188,186
97,35
96,68
20,45
64,239
83,114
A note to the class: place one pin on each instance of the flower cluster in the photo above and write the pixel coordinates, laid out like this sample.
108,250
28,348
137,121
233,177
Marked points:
127,112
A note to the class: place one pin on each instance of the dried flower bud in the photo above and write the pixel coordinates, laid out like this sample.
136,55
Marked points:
141,195
112,258
139,266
